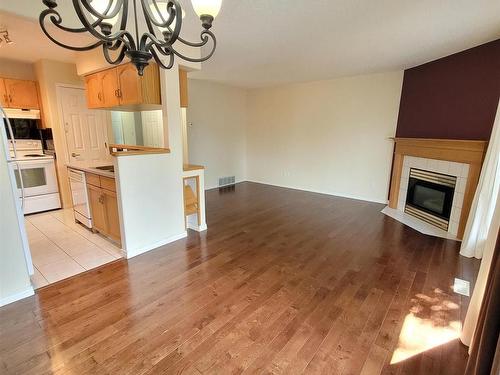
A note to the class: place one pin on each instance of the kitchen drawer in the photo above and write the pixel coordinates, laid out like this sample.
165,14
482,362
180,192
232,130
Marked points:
93,179
108,183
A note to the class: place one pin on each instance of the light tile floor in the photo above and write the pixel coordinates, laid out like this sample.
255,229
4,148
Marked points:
61,248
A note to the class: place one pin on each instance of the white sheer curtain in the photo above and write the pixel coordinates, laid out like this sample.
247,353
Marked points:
471,318
483,206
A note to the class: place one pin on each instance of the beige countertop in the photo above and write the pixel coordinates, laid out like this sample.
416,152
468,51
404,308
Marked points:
90,168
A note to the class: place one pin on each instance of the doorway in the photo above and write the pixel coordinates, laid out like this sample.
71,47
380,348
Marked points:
85,129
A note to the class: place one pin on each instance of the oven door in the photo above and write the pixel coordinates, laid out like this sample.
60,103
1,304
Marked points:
39,177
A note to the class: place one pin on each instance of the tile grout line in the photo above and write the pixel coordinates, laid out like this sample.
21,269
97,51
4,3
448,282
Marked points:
88,239
60,248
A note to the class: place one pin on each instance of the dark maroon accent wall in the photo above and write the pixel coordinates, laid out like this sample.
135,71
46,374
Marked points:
455,97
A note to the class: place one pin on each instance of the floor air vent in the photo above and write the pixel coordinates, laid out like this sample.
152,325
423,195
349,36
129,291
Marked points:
227,181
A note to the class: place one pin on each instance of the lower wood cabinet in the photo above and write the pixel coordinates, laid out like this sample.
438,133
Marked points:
104,206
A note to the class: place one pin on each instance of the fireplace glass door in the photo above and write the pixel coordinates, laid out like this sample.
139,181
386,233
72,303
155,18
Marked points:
433,197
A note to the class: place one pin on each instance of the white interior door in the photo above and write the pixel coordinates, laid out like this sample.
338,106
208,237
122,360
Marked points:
86,134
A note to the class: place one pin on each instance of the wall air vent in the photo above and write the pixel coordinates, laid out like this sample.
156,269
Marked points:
227,181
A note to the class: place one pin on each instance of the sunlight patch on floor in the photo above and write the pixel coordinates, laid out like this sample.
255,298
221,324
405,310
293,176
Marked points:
430,323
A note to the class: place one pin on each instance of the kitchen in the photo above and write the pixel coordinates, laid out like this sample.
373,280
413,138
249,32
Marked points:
95,154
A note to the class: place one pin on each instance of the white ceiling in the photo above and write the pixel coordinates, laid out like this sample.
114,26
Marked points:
271,42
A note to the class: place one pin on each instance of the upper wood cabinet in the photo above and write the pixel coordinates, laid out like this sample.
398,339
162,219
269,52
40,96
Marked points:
130,86
4,98
93,85
122,87
19,94
109,81
183,88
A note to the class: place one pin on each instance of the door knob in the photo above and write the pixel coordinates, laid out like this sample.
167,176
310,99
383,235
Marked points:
74,154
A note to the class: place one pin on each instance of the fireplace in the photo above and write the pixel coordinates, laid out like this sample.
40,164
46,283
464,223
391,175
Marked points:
430,197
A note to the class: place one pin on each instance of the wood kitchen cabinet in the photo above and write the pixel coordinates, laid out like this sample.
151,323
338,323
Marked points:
20,94
122,87
183,88
97,208
109,81
4,98
103,204
130,85
93,89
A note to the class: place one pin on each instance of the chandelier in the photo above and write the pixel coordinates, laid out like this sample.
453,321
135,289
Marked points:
106,22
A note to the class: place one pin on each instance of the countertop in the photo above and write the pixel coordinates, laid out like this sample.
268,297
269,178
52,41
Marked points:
192,167
91,169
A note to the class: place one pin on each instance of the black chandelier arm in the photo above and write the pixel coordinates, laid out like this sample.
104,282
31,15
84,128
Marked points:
204,40
109,59
102,16
150,21
160,62
104,38
205,34
173,9
56,19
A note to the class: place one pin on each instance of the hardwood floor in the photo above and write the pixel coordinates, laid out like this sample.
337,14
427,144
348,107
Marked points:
284,281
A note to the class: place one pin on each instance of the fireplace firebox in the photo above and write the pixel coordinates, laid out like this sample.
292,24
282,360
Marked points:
430,197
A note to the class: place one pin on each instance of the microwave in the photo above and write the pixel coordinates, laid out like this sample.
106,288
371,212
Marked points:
25,123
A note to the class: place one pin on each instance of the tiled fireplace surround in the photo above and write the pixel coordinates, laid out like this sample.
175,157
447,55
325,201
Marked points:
459,170
460,158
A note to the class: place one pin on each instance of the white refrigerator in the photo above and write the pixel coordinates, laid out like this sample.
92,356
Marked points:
16,265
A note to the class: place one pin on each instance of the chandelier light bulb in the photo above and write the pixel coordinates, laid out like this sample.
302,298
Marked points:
101,6
207,7
163,10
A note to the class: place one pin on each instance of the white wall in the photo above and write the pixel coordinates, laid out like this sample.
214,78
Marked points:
150,187
217,116
14,278
327,136
17,69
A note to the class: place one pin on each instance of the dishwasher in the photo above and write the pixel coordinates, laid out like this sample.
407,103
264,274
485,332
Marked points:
80,197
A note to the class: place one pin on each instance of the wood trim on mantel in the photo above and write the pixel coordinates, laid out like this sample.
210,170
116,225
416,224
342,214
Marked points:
461,151
127,150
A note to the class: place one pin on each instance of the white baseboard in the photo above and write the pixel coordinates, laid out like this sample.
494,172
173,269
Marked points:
197,228
16,297
145,249
335,194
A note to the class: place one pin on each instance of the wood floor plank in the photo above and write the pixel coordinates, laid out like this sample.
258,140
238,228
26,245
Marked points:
283,282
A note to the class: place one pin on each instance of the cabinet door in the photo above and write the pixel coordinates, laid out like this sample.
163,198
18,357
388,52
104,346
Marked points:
112,218
109,81
93,89
22,94
129,85
4,98
97,209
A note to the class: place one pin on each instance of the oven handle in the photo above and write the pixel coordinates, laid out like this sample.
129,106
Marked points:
23,195
11,133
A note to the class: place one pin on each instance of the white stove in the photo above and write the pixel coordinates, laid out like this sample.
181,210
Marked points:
39,178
